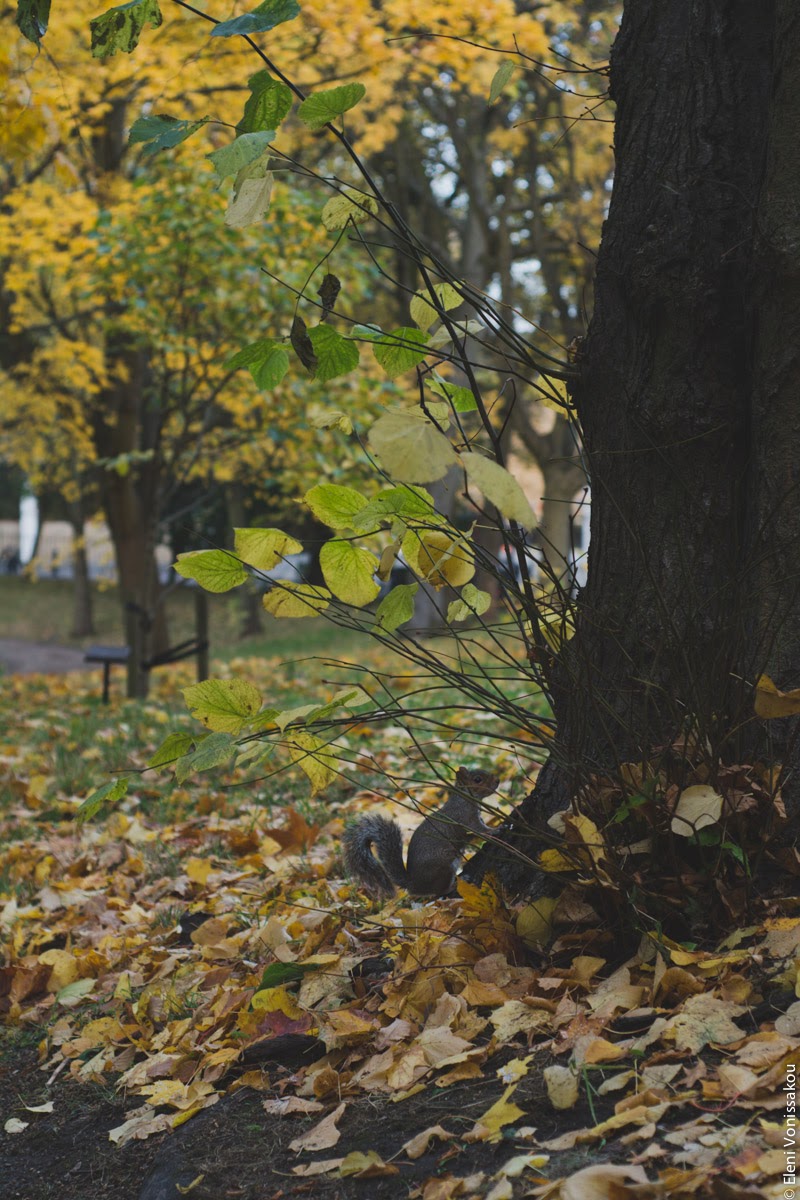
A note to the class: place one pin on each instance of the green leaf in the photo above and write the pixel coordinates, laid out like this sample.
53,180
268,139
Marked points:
224,705
397,506
74,992
267,105
32,19
367,333
264,720
500,488
325,106
175,745
411,448
279,973
251,194
463,329
462,399
120,28
296,600
472,602
264,548
163,132
310,755
267,16
347,697
330,418
335,355
267,362
214,570
400,350
348,571
240,153
108,794
213,751
501,78
350,207
296,715
410,502
423,313
334,504
397,606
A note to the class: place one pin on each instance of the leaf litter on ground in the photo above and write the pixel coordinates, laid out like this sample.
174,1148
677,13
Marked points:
201,939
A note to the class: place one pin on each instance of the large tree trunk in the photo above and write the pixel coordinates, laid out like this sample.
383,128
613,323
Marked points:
772,580
664,399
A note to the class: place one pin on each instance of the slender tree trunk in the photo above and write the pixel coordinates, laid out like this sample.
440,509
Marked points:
143,616
131,504
249,598
82,614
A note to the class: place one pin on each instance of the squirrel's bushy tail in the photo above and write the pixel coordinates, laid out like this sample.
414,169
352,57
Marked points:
379,875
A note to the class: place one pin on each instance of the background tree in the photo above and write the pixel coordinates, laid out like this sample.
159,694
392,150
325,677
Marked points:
132,319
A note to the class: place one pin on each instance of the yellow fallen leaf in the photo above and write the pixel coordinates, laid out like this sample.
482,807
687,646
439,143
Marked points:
600,1050
184,1191
514,1070
515,1017
276,999
644,1114
345,1028
523,1162
477,900
367,1165
63,968
489,1127
535,921
215,929
554,861
771,702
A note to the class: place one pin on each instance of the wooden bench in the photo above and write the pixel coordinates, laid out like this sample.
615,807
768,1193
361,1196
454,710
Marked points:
109,656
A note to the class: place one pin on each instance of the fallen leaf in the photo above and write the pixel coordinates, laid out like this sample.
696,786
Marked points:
322,1136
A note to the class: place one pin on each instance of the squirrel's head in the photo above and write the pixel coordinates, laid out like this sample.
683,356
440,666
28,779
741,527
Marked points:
476,781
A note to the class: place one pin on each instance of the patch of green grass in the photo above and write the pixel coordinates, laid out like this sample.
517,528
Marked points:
41,611
16,1038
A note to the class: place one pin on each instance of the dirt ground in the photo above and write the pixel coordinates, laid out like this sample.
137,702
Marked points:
235,1150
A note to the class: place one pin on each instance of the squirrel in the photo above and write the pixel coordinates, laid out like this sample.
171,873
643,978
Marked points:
435,846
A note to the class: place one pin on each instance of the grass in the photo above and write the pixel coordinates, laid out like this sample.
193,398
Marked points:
41,611
293,662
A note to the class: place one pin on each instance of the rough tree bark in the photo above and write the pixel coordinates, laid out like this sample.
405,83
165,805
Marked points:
687,397
773,559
